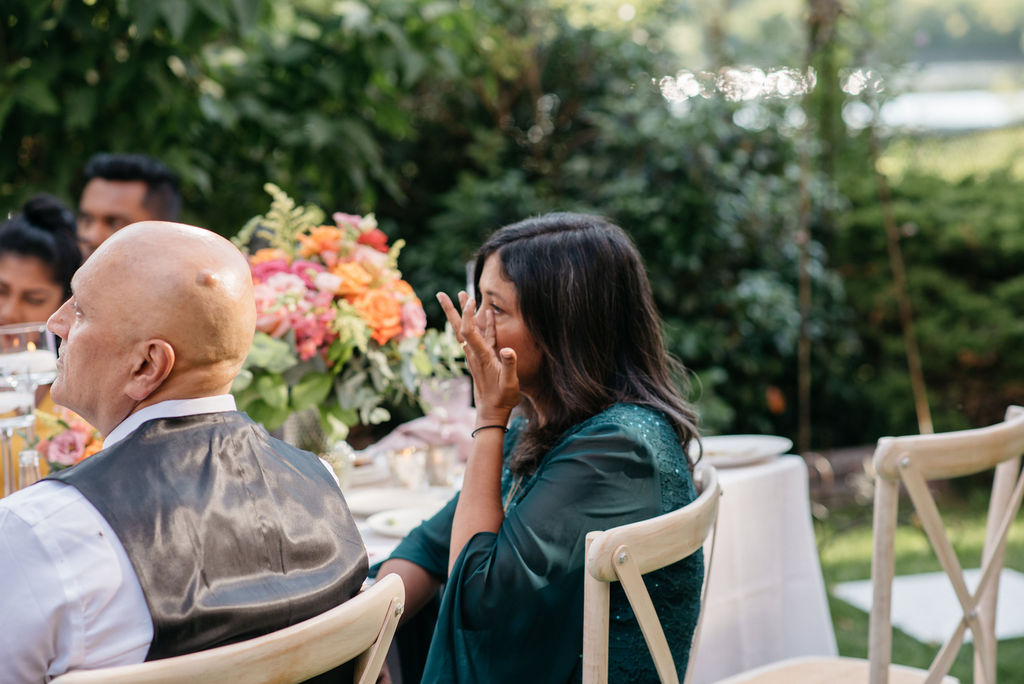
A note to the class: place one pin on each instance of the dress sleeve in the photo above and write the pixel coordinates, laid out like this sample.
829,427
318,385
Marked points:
427,545
524,584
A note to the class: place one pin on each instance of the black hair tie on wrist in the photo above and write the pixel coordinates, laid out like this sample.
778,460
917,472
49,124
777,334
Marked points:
472,434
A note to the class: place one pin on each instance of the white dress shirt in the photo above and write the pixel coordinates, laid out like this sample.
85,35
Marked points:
69,598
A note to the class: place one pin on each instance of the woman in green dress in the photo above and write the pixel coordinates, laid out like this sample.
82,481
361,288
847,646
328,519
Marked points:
580,427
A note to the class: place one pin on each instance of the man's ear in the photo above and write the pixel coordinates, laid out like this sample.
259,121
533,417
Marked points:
154,361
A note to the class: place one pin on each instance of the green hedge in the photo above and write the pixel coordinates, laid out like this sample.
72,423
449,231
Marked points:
963,247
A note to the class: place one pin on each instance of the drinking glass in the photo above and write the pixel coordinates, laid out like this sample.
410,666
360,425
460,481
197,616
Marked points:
28,351
28,359
28,467
408,466
17,403
440,465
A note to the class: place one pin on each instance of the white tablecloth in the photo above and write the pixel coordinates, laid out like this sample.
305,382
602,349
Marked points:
766,598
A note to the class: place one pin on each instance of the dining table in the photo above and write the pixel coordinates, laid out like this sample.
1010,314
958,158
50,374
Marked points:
766,597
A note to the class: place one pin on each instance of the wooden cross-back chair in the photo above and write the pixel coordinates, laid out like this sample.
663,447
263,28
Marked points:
623,554
359,629
914,461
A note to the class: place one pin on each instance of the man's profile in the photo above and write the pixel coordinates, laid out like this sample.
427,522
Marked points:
121,189
193,527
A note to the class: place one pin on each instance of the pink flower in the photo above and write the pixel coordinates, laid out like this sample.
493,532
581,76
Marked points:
275,323
327,282
370,257
271,314
306,270
66,448
313,332
414,320
286,283
341,218
262,271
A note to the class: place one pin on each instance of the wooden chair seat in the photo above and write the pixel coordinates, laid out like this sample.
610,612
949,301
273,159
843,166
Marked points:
820,670
360,629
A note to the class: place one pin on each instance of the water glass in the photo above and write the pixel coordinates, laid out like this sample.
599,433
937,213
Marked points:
407,466
17,403
28,351
440,465
28,468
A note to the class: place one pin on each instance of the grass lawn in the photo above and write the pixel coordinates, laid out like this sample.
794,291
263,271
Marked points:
844,543
956,156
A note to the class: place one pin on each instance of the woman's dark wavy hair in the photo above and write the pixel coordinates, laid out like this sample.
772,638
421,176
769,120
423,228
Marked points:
44,229
585,298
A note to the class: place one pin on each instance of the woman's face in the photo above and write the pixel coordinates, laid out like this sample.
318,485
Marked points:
498,295
28,292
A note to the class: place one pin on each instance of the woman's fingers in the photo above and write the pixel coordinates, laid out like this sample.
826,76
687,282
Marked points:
489,335
508,368
469,329
508,380
464,324
449,311
493,370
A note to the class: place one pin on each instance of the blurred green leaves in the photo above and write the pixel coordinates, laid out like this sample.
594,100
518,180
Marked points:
451,118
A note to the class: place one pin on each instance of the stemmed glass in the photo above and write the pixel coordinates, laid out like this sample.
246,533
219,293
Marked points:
28,359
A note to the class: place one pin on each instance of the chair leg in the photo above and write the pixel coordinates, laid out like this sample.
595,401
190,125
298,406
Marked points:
595,626
880,629
1006,475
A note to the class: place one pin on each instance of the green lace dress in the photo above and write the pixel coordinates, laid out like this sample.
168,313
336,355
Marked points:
512,610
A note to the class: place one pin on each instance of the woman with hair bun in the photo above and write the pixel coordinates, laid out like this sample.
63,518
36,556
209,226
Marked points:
38,255
580,427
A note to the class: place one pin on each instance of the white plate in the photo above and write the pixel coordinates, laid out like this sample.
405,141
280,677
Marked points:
372,473
364,501
727,451
400,521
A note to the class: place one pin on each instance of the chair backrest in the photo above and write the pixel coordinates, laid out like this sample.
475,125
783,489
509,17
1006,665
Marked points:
360,629
623,554
915,460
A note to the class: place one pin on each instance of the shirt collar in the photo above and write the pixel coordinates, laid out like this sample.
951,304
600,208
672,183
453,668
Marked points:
172,408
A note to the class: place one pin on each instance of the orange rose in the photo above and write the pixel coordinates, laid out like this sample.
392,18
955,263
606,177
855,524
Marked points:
91,448
354,278
382,312
267,254
402,289
322,241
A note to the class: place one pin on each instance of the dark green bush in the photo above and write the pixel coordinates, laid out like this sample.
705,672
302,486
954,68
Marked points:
963,246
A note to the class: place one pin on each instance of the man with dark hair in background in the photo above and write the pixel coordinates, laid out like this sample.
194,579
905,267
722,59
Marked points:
122,189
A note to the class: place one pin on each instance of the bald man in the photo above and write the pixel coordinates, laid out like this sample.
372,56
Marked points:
193,527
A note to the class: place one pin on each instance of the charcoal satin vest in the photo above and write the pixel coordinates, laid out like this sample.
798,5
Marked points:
232,533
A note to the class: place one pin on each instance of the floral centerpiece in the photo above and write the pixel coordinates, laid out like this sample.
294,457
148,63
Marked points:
338,329
65,438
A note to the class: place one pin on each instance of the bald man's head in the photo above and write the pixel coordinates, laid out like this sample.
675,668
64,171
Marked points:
171,305
197,291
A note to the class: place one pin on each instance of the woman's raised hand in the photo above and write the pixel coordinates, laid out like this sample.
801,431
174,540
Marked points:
495,383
